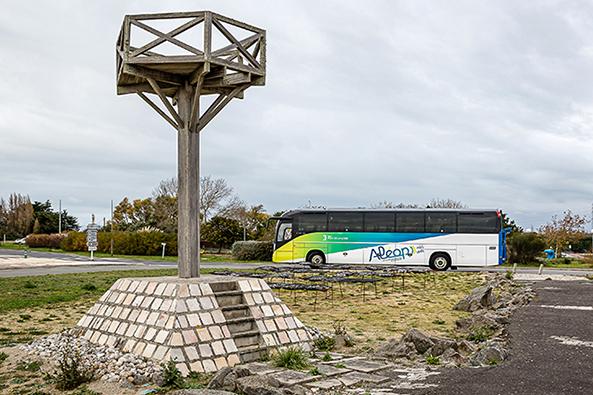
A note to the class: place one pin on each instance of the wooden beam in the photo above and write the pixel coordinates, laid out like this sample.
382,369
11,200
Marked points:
237,66
239,24
247,42
153,74
135,88
172,33
195,103
212,111
208,35
167,37
167,15
158,110
232,39
163,98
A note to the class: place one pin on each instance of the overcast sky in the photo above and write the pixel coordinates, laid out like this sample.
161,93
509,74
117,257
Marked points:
486,102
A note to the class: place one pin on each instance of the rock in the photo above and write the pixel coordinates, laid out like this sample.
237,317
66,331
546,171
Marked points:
397,349
217,381
258,385
440,346
420,340
477,321
465,347
453,357
492,354
295,390
479,298
200,392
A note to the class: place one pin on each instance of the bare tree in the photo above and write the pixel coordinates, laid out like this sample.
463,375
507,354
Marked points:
560,232
217,198
445,203
389,204
166,188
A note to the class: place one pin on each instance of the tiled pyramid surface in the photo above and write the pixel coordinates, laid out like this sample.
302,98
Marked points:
203,324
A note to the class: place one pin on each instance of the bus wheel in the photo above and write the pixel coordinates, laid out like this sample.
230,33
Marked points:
316,258
440,261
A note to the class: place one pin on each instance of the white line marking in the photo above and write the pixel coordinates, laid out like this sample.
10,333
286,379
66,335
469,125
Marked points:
572,341
584,308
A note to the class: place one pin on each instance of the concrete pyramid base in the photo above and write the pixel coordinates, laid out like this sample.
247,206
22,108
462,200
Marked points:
203,324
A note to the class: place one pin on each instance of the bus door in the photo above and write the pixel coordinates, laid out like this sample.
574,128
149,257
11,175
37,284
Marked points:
283,251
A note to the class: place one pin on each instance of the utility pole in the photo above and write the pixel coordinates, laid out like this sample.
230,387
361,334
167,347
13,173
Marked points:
592,228
60,216
111,233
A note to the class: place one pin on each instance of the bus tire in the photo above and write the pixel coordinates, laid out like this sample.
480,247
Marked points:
440,261
316,258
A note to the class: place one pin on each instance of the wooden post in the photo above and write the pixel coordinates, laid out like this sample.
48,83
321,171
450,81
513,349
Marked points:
188,200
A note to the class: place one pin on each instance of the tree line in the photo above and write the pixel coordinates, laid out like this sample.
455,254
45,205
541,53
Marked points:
19,217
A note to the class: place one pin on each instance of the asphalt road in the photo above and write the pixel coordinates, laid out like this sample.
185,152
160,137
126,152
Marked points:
108,264
540,362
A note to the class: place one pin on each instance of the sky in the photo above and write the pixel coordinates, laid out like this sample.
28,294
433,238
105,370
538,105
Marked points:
489,103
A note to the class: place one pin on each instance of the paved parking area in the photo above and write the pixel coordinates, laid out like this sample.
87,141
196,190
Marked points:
552,348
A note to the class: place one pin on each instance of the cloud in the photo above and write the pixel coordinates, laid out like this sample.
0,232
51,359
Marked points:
484,102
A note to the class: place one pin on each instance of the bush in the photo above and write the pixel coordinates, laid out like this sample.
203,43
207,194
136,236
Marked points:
125,243
432,360
72,372
253,250
291,358
525,247
172,377
45,240
325,343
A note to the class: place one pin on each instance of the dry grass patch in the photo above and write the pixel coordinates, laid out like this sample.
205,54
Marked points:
426,302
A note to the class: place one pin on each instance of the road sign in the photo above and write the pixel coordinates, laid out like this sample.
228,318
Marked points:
91,236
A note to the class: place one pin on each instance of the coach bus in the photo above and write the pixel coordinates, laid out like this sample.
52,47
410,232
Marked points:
439,238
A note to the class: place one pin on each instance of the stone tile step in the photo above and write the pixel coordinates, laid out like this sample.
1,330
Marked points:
365,366
231,292
286,378
242,326
230,298
261,368
245,339
236,311
253,353
326,384
223,286
329,370
354,378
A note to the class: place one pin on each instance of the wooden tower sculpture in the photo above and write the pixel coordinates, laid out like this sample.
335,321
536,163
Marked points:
205,54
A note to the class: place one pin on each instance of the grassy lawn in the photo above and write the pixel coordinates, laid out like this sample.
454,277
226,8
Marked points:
206,257
573,264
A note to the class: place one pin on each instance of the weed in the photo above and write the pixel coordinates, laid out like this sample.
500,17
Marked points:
340,365
326,357
509,275
315,372
197,380
492,362
72,371
33,366
3,356
293,358
84,390
325,343
439,322
25,317
2,329
29,284
340,329
172,377
480,334
88,287
432,360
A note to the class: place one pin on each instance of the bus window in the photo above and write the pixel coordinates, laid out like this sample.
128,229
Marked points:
379,222
409,222
309,223
441,222
478,223
284,232
345,222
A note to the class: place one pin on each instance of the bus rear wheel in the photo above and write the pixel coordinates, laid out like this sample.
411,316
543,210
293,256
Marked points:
440,261
316,258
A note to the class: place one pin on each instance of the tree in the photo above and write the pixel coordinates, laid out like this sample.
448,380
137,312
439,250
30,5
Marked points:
166,187
46,220
222,232
525,247
560,232
254,220
445,203
134,216
16,216
217,198
388,204
507,222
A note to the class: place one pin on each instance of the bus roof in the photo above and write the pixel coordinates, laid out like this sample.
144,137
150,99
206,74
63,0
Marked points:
292,213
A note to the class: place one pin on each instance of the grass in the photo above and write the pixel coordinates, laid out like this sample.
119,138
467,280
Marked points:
293,358
206,257
432,360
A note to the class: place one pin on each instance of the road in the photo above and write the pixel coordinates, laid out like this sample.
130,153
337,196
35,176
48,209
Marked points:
43,263
552,348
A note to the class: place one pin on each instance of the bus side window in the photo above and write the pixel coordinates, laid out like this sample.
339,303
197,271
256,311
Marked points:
345,222
478,223
440,222
409,222
309,223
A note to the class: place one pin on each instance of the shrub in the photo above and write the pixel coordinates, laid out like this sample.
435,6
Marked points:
293,358
480,334
45,240
525,247
125,243
325,343
432,360
253,250
72,372
172,377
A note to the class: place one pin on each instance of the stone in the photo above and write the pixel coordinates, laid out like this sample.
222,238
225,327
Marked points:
328,370
491,354
440,346
291,377
201,392
258,385
365,366
480,298
397,349
217,380
326,384
421,342
364,377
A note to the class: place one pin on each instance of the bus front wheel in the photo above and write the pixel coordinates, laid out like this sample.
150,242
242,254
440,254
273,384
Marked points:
440,261
316,258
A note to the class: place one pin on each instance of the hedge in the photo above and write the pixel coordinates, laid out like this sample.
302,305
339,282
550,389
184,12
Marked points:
253,250
45,240
125,243
525,247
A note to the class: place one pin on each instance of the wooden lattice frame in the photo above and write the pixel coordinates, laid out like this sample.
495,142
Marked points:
226,71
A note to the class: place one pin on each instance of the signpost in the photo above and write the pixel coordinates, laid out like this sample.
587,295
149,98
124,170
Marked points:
91,236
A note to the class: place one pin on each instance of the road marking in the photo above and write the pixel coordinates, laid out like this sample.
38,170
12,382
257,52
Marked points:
572,341
582,308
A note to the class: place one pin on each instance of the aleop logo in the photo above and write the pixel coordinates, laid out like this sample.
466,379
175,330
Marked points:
383,254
